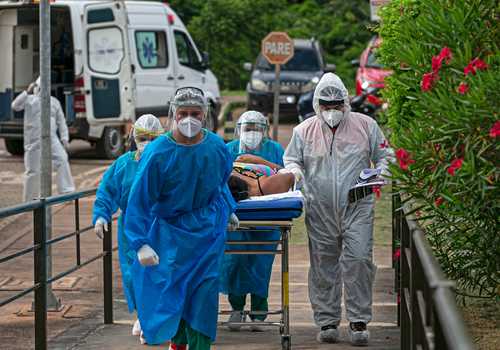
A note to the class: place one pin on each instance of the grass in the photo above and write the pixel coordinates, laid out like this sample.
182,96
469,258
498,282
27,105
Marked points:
233,93
382,228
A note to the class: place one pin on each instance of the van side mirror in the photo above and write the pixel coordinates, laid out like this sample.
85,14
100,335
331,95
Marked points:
330,68
247,66
355,62
205,59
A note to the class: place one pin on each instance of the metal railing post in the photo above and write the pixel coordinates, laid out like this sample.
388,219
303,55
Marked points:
40,272
107,261
396,236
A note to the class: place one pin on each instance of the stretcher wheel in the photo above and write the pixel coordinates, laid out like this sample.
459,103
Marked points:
286,343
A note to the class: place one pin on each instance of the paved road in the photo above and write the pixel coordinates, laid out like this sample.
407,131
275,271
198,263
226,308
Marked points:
79,324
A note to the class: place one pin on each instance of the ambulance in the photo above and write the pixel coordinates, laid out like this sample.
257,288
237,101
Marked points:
111,62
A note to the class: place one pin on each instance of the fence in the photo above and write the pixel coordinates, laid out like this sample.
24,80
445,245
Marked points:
39,248
427,312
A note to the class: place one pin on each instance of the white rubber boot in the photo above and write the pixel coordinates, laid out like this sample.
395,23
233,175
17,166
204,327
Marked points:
136,330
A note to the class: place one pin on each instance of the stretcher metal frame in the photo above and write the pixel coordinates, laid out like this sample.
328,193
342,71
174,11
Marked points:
284,226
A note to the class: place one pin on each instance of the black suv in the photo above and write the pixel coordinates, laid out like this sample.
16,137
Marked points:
298,76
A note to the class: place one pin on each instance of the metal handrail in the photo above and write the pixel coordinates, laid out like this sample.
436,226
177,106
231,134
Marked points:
40,244
427,313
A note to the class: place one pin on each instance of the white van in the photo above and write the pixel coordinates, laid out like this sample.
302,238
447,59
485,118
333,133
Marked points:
111,61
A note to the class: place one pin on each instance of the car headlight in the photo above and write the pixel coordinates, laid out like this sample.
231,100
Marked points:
259,85
310,85
366,84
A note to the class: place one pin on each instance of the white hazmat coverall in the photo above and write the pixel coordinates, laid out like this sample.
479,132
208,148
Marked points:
340,233
31,104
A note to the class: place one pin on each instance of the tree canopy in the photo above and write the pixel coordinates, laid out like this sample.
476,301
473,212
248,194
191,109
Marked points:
231,31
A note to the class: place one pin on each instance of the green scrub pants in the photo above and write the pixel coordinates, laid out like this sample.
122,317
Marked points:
188,336
257,304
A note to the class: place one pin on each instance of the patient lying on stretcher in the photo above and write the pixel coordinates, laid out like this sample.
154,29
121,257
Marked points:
254,176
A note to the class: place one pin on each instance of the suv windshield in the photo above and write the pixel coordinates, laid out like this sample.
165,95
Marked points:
303,60
372,60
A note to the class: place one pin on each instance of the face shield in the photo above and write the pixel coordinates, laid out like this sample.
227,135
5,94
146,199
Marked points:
252,129
145,130
331,100
188,111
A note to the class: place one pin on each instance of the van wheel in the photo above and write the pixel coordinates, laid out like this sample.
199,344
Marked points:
14,146
212,122
111,144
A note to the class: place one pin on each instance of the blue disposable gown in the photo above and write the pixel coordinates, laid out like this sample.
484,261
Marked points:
180,206
242,274
112,194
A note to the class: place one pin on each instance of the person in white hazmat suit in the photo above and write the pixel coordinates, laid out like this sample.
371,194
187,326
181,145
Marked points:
328,153
30,102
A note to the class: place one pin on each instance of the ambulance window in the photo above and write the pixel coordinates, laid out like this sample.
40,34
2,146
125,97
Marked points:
151,49
105,50
100,16
185,51
24,41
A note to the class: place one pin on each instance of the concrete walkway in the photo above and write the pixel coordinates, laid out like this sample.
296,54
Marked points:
384,333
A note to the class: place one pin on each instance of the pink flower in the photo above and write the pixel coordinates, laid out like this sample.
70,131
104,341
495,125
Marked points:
428,80
463,88
438,201
469,69
454,166
384,144
404,158
495,130
479,64
446,54
474,64
397,254
436,63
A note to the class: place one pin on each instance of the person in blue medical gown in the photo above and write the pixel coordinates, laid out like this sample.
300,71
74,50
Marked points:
113,193
178,210
250,274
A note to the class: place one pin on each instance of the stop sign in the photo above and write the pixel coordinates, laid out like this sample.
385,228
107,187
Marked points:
277,47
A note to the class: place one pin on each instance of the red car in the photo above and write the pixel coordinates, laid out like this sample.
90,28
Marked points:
370,72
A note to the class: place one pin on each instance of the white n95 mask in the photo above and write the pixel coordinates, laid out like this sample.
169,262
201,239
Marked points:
189,126
251,139
333,117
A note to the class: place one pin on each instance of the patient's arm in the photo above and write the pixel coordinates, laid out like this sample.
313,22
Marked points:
252,159
278,183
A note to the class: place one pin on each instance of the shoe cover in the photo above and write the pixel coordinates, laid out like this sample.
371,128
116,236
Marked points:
328,335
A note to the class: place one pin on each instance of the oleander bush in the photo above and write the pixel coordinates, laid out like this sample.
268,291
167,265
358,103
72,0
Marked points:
443,100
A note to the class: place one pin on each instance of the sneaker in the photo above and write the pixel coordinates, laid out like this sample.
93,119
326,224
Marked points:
177,347
358,333
256,328
236,317
136,330
328,334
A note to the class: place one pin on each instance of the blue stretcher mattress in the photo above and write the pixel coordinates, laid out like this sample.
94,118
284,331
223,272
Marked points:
277,209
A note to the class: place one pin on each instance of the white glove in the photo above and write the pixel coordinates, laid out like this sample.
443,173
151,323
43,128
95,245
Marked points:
101,226
299,177
147,256
370,175
234,223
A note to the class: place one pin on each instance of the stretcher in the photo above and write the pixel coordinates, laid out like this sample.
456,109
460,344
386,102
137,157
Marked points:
266,214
